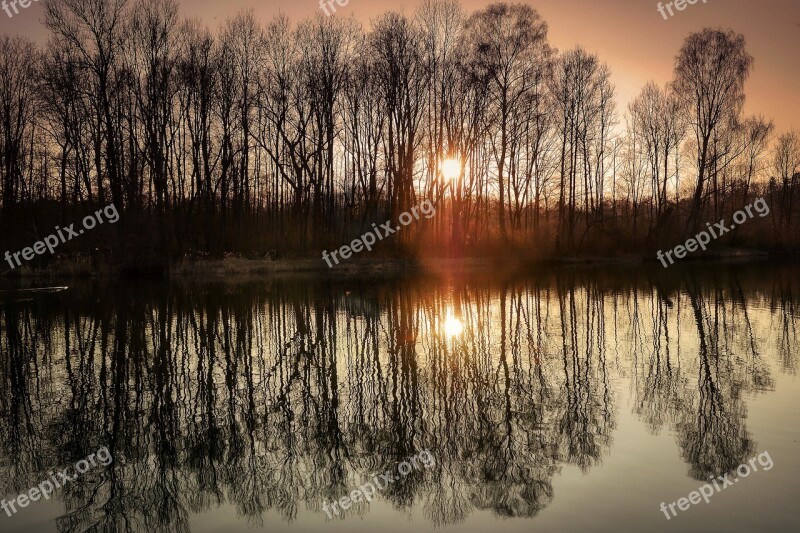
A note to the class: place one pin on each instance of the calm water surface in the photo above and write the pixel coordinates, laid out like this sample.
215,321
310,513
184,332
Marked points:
576,400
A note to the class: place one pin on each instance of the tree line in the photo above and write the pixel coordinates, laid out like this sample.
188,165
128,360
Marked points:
282,138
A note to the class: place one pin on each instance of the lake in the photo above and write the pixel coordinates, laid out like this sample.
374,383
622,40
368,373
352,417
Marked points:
569,399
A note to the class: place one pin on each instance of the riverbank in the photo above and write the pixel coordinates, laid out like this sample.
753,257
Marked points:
241,267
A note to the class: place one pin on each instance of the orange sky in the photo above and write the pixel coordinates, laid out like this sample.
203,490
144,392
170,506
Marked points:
630,35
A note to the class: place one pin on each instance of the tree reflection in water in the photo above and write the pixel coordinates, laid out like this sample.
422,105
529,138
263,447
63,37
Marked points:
277,397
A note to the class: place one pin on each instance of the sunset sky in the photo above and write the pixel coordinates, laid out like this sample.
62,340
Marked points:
630,35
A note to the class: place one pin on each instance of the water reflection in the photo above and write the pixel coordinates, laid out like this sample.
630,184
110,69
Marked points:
452,326
280,396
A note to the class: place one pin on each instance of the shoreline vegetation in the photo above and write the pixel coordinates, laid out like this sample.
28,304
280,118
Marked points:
78,267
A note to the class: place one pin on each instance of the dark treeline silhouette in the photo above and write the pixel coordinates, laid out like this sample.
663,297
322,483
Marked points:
277,397
272,137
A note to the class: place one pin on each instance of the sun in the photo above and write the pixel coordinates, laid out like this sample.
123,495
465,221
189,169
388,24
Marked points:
452,326
451,168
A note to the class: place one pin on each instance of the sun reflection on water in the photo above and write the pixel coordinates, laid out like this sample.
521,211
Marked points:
452,326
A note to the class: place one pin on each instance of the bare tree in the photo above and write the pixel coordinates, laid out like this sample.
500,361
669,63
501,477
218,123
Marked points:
404,83
659,119
580,90
95,30
509,48
787,168
327,47
18,84
710,72
152,59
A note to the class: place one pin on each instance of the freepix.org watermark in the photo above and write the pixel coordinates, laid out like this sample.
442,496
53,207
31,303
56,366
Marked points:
328,4
57,480
702,239
61,236
368,240
8,5
680,5
706,491
368,490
